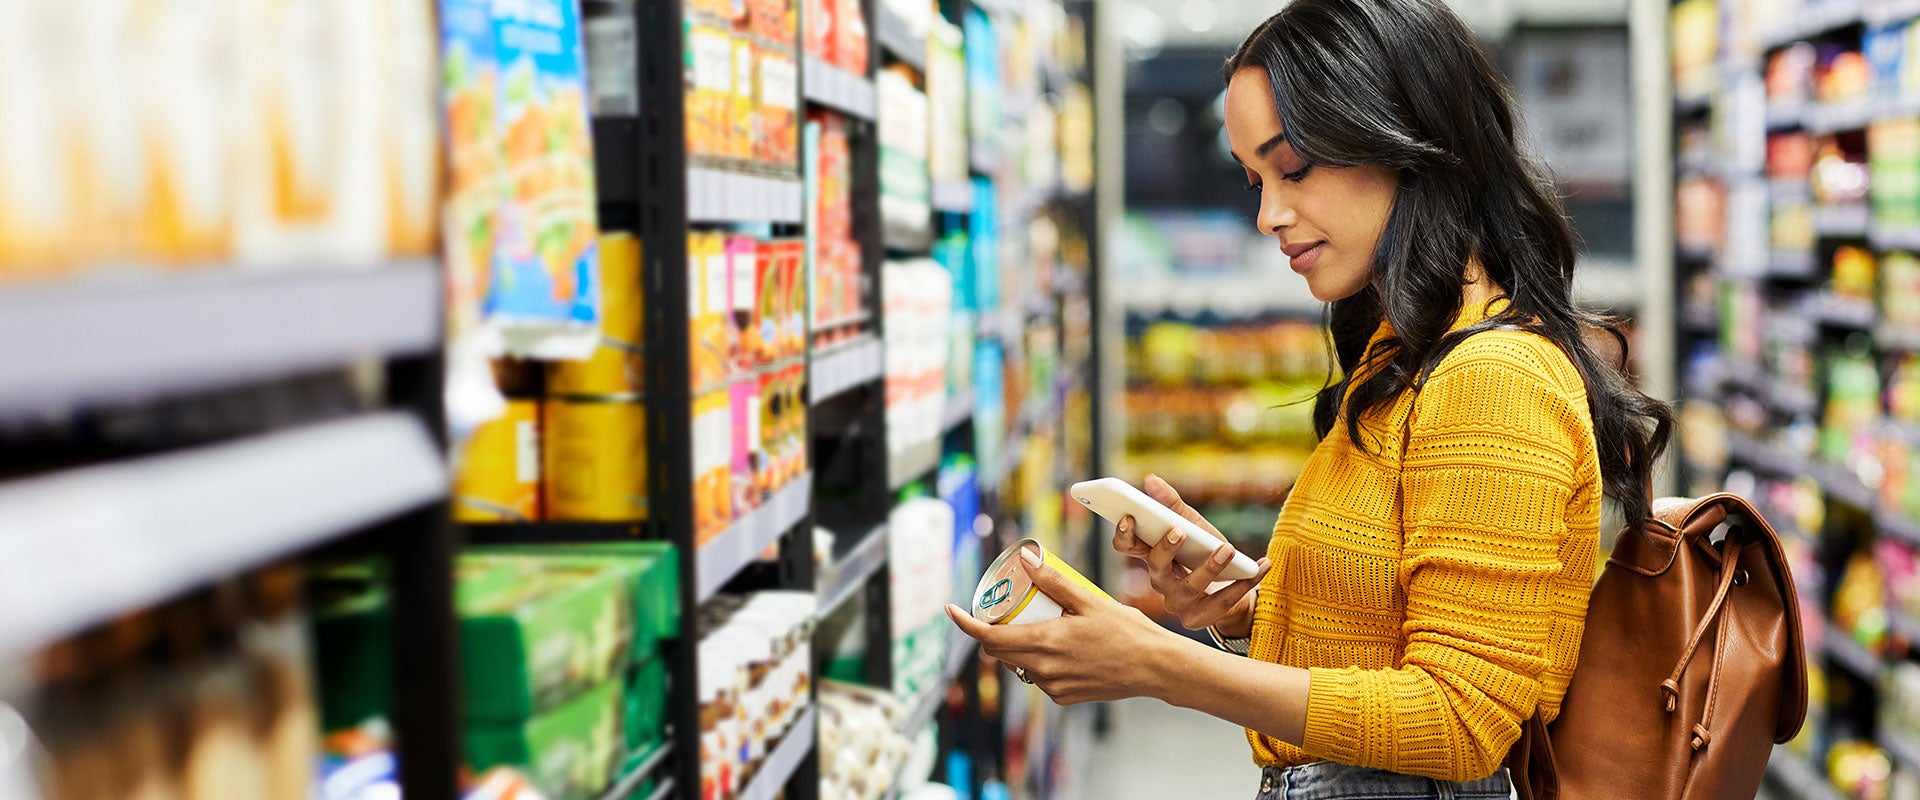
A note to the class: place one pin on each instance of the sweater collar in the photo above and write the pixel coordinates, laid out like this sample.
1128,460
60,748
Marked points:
1470,314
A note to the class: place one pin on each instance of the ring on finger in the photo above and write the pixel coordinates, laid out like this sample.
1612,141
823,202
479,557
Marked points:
1021,673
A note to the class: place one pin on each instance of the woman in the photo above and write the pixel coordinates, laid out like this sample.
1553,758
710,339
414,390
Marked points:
1426,584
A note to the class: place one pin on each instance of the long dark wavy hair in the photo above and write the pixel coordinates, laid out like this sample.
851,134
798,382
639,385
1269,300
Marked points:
1403,83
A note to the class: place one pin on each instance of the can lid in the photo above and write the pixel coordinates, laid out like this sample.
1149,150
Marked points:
1005,589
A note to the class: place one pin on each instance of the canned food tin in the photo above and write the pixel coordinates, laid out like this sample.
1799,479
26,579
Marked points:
499,478
596,458
1006,596
616,366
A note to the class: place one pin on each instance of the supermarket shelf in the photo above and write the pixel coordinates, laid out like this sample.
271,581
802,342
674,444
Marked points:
1907,627
1841,485
1842,312
1815,20
1850,654
829,85
1694,252
842,580
844,368
1789,399
1891,337
1789,190
1895,237
718,195
1792,264
982,158
1908,432
1852,220
959,410
955,197
80,546
999,6
1892,523
1903,749
1700,318
1784,116
1692,103
1886,11
1765,457
737,546
629,783
1799,777
915,463
134,335
897,39
1846,115
783,761
959,649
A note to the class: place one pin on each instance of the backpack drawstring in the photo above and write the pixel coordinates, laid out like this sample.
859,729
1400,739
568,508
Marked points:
1729,567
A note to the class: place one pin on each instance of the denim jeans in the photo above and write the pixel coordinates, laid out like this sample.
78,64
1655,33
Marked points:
1325,780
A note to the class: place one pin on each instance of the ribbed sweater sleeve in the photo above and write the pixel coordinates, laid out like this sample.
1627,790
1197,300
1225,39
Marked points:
1494,439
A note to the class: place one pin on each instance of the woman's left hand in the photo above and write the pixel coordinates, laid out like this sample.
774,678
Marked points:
1097,650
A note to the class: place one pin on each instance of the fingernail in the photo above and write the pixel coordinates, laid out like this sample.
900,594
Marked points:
1176,537
1223,555
1030,557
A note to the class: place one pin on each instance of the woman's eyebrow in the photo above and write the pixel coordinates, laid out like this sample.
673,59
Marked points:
1268,145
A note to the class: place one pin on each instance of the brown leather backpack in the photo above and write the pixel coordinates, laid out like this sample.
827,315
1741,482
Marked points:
1692,666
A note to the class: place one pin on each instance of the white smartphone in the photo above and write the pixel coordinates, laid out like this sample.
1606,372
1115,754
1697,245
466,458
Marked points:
1113,498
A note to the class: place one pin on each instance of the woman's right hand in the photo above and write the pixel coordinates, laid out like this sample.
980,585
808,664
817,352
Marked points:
1228,610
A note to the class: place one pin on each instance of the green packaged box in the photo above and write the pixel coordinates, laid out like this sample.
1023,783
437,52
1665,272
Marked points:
646,708
353,644
569,752
535,634
655,582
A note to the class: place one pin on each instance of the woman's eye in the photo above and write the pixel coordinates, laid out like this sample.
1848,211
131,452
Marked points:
1298,175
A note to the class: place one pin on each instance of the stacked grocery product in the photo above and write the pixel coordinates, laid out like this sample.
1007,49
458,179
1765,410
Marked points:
748,372
1797,202
562,670
906,188
920,535
841,299
917,305
756,679
861,746
210,696
743,83
1224,412
836,32
224,150
575,448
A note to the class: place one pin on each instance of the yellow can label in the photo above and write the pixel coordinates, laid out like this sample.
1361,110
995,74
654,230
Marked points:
499,473
596,460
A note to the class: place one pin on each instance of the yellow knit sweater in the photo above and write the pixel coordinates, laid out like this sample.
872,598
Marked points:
1437,595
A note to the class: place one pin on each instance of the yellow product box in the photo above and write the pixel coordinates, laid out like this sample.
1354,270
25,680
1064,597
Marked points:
743,110
596,459
499,474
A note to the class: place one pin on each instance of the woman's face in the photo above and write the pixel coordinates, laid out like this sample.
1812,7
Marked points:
1328,219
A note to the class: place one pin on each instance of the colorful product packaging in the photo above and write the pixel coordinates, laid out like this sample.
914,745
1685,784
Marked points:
743,106
545,297
710,76
537,634
778,132
568,753
499,474
651,571
596,458
712,473
617,364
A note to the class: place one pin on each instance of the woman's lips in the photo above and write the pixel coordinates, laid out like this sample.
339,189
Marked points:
1302,257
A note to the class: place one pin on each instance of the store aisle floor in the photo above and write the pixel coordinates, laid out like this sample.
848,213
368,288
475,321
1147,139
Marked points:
1155,750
